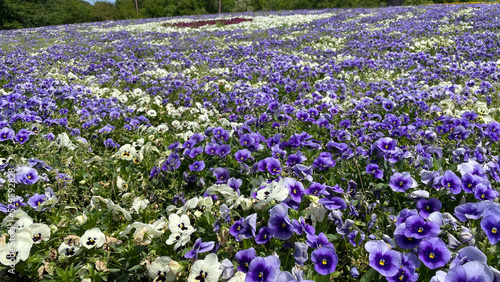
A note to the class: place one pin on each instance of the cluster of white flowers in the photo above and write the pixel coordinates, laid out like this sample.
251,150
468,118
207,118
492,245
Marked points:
23,234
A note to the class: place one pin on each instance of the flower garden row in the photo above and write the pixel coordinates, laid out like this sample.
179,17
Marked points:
296,146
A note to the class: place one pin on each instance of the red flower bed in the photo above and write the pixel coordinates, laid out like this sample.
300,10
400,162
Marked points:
209,22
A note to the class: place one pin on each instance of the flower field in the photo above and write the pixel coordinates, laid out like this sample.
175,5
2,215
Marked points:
318,145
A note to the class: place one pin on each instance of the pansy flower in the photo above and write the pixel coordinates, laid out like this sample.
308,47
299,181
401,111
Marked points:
244,258
197,166
242,155
491,226
36,200
93,238
199,247
279,224
263,236
433,252
385,261
26,175
325,260
263,269
374,170
6,133
452,182
417,227
160,269
427,206
206,270
400,182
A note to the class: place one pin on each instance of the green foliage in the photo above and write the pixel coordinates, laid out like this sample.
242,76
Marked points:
103,11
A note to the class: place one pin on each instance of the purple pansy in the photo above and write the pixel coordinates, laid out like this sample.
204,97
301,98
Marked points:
417,227
433,253
384,260
263,269
244,258
374,170
428,206
400,182
452,182
325,260
36,200
199,247
279,224
491,226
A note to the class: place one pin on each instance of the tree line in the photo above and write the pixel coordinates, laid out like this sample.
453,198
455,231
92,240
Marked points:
34,13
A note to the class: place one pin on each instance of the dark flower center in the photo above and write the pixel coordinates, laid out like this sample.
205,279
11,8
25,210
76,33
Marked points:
91,241
202,276
12,256
161,276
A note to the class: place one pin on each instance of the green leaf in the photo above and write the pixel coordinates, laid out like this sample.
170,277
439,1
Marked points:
135,267
367,276
333,237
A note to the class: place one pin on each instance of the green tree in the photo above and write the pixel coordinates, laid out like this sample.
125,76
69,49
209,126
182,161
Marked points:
19,14
103,11
154,8
125,9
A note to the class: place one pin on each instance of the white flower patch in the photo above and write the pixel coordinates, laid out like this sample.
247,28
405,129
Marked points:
207,269
40,232
93,238
16,250
145,233
117,211
66,250
163,269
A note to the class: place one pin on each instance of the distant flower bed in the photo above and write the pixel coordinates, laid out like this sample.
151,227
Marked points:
208,22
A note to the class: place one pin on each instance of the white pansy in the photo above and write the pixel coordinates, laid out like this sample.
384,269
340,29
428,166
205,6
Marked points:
176,124
207,270
120,184
273,191
151,113
160,270
179,224
23,222
316,212
127,152
16,250
13,217
230,195
179,239
145,233
238,277
117,211
40,232
204,205
138,143
68,250
162,128
93,238
139,203
81,219
63,141
244,203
